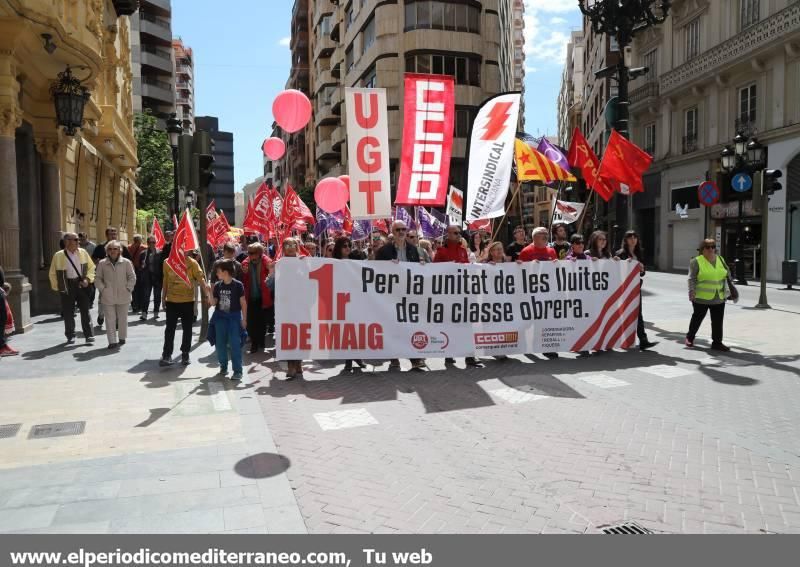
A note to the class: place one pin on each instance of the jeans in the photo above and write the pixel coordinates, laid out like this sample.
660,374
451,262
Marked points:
184,312
717,316
80,295
229,336
256,324
116,317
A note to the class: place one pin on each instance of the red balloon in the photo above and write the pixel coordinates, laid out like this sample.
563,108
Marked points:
331,195
292,110
346,180
273,148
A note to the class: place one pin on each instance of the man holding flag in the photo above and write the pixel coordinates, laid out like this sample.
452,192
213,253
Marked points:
180,274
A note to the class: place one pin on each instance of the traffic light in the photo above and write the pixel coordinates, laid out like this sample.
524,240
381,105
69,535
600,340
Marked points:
771,183
205,166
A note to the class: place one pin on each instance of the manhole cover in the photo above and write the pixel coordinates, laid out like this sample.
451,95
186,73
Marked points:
629,528
9,430
57,429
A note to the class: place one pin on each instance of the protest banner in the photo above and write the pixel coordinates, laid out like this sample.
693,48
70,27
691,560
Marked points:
455,206
429,115
368,153
329,309
566,211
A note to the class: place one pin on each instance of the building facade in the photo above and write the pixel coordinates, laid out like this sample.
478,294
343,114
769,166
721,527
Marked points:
153,60
717,68
51,182
570,95
184,84
221,188
370,43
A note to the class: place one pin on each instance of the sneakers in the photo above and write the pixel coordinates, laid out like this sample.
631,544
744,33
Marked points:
449,360
223,371
165,361
8,351
143,316
689,343
237,377
418,364
394,364
472,361
90,340
70,340
185,358
720,347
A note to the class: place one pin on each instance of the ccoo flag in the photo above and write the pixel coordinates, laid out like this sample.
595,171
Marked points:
491,153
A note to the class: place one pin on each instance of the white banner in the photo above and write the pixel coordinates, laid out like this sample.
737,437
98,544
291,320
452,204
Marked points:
567,212
491,154
348,309
368,153
455,206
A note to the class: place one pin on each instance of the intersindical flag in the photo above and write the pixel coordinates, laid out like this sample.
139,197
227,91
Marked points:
429,116
491,153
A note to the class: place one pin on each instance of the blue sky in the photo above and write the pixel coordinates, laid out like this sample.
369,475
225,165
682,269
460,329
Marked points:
242,61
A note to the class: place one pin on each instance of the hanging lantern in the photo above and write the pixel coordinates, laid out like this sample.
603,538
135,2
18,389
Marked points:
70,98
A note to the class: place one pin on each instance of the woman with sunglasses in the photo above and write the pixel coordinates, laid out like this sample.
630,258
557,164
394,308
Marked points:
632,252
708,275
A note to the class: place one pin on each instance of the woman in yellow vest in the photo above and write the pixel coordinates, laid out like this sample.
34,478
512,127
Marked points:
708,275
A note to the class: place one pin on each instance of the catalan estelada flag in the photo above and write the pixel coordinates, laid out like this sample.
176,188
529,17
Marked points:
534,166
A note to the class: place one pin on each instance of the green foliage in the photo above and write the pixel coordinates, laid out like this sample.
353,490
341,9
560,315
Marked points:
155,165
306,194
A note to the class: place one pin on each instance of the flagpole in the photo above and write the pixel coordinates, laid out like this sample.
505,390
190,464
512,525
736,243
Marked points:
500,224
585,208
553,212
521,213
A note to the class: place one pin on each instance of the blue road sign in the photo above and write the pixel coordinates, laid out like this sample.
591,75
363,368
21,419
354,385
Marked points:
741,182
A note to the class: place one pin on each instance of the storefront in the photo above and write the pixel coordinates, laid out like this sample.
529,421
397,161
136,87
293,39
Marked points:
737,236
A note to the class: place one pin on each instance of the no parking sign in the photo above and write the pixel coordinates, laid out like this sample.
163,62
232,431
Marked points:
708,193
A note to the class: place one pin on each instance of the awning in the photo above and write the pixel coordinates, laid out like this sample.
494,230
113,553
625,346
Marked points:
95,152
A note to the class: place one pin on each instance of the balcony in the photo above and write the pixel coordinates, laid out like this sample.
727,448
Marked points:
300,14
647,93
325,150
299,40
337,98
689,144
324,78
322,8
158,90
126,7
746,125
324,47
324,114
158,58
774,32
338,137
158,28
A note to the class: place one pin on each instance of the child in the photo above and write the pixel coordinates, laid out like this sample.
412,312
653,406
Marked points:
230,318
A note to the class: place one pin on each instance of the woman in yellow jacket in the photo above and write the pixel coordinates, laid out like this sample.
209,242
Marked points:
708,277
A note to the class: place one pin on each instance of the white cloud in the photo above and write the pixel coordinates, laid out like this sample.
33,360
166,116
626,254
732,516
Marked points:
531,69
557,21
285,41
546,42
551,5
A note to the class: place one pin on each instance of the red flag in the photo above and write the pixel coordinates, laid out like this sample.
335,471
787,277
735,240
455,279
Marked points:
347,225
481,224
582,156
158,234
624,163
381,226
217,230
181,242
249,217
294,209
257,219
211,211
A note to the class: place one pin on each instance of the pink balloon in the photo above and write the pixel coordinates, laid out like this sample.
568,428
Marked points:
331,194
292,110
274,148
346,180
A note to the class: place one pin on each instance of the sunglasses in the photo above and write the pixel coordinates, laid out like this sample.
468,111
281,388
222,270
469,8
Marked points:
412,236
710,247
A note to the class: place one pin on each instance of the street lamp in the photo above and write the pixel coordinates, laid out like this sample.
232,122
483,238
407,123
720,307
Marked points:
70,98
749,156
174,130
622,19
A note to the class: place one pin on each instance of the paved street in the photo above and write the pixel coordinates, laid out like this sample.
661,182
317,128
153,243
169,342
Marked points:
676,440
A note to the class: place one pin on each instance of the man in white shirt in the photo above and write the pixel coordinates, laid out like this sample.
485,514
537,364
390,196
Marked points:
71,275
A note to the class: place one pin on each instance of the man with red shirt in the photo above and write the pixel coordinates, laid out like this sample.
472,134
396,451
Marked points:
538,250
452,251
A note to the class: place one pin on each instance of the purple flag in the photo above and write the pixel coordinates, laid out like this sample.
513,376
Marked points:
401,214
361,229
327,221
430,226
552,153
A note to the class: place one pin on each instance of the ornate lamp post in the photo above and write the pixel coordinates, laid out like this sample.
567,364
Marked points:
70,98
751,157
174,130
622,19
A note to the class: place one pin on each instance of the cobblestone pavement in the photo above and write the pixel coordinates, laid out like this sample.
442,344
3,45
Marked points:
677,440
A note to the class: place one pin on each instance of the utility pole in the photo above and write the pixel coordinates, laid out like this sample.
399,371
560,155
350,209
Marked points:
202,176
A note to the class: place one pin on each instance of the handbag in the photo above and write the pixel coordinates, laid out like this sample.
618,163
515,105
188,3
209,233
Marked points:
734,293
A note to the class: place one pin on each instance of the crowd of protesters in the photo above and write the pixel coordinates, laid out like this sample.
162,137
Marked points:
238,280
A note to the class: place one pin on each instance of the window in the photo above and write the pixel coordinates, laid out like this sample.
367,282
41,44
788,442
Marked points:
690,131
348,18
650,60
325,26
692,33
371,80
348,58
650,138
747,104
442,15
368,35
466,70
685,196
749,12
464,118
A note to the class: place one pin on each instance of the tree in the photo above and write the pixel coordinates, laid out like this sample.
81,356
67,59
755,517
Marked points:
306,194
155,175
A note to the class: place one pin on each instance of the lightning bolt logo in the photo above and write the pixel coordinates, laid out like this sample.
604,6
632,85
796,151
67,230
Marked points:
497,121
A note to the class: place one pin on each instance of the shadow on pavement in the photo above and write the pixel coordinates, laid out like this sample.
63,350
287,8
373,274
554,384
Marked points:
45,352
262,465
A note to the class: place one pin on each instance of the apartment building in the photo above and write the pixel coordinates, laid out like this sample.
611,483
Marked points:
370,43
570,95
718,68
152,59
184,84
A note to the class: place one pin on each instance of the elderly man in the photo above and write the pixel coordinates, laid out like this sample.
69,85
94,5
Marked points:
453,249
71,274
538,250
400,250
115,281
413,238
260,309
152,274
